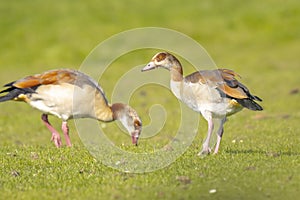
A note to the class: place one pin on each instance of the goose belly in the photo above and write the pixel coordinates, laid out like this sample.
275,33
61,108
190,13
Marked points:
64,101
202,97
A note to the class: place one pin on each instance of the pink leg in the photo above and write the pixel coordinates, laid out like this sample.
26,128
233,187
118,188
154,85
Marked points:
205,148
219,135
65,130
55,135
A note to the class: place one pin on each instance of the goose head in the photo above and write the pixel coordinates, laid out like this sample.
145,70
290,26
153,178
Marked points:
162,59
129,119
167,61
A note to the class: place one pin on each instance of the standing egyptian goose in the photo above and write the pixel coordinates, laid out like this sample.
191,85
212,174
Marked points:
215,94
69,94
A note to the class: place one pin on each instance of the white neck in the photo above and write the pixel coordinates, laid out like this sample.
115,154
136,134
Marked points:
176,88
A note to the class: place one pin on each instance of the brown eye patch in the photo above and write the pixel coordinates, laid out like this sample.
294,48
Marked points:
137,123
161,57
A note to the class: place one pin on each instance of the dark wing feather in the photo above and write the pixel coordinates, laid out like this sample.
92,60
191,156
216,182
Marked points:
236,90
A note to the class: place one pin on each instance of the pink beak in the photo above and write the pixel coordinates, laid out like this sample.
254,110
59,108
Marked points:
149,66
134,140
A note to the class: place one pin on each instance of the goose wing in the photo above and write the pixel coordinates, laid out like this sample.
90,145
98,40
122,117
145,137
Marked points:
224,80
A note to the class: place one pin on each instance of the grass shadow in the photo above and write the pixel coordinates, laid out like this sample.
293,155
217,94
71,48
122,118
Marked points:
263,152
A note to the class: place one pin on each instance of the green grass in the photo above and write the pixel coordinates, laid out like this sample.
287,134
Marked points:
259,156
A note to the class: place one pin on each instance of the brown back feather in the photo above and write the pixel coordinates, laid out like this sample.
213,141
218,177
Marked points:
223,79
50,77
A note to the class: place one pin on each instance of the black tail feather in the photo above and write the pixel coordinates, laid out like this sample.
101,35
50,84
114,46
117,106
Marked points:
7,90
9,84
257,98
14,92
10,95
6,98
245,89
250,104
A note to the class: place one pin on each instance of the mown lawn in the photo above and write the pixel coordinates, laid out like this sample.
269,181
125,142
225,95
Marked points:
259,156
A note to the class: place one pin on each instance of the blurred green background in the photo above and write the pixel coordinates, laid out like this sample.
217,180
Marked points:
258,39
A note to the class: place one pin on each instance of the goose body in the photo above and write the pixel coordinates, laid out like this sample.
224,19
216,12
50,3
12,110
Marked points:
201,97
69,94
215,94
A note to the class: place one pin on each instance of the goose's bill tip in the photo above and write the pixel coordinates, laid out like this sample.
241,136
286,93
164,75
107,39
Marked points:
134,140
148,67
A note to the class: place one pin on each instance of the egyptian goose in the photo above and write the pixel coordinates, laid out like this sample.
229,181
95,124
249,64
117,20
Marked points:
215,94
69,94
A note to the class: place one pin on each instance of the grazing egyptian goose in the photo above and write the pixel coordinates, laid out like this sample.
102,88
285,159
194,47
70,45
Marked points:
215,94
69,94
